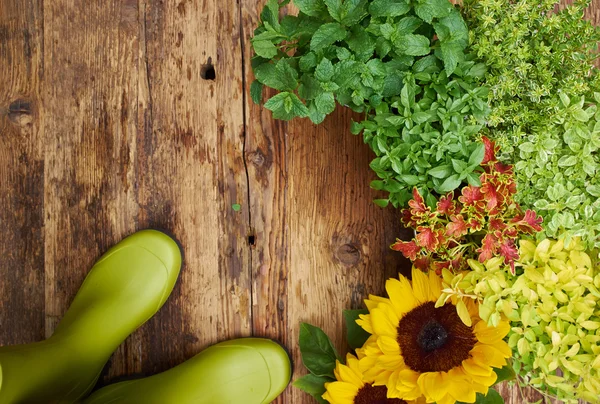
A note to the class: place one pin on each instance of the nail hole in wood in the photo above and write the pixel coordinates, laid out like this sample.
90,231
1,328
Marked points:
251,240
208,70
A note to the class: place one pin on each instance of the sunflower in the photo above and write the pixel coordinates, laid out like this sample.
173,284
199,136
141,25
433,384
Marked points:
419,350
351,389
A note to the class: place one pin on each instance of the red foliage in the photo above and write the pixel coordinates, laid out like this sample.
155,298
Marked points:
482,222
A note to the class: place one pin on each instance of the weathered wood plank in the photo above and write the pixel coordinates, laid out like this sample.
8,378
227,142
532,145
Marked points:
191,171
21,173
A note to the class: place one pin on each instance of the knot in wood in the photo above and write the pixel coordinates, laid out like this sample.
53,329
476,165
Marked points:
348,254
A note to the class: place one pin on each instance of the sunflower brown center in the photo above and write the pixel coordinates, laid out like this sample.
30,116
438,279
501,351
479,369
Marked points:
434,339
369,394
432,336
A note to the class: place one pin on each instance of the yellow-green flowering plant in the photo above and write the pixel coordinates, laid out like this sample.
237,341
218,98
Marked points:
553,306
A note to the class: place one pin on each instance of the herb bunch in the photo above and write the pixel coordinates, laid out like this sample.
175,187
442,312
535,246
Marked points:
401,63
481,223
542,84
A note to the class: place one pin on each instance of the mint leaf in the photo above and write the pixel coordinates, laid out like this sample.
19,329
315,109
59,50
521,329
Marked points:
315,116
314,8
477,156
280,77
256,89
324,71
309,88
450,184
317,351
353,11
286,106
313,385
427,10
308,61
441,172
264,48
335,8
413,45
355,335
361,43
407,25
452,53
452,28
326,35
325,103
388,8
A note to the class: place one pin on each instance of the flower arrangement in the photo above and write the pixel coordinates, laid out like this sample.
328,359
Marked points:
483,122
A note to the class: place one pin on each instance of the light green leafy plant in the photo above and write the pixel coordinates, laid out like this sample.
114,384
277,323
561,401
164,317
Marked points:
401,63
542,82
553,306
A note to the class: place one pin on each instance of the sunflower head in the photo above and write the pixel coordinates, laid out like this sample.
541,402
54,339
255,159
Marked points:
349,387
417,349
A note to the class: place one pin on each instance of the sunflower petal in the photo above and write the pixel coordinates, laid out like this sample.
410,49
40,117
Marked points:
491,335
389,346
487,355
432,385
382,324
435,286
420,284
473,368
401,295
342,392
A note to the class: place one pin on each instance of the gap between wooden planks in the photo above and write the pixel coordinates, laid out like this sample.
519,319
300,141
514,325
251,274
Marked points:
109,123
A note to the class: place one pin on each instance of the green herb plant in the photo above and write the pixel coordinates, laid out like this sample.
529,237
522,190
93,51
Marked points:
401,63
543,86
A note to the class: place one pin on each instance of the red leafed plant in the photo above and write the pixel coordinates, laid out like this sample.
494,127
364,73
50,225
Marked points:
481,222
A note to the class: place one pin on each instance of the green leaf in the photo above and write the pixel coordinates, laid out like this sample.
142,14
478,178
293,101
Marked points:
413,45
286,106
325,103
313,385
326,35
450,184
353,11
388,8
567,161
473,179
308,61
355,335
452,28
361,43
264,48
256,89
324,71
564,98
427,10
407,25
335,8
281,77
317,351
382,203
236,207
477,156
314,8
315,116
452,53
443,171
505,373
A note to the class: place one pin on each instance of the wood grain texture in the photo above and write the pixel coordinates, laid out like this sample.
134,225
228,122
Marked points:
129,114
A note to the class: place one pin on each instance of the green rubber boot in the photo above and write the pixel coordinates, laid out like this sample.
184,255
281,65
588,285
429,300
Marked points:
241,371
123,290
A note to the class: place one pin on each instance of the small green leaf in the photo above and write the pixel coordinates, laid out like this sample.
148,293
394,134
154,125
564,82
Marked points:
355,335
567,161
564,98
286,106
313,385
505,373
256,89
427,10
314,8
264,48
308,61
281,77
325,103
473,179
382,203
477,156
442,171
236,207
388,8
450,184
317,351
335,8
413,45
326,35
324,71
315,116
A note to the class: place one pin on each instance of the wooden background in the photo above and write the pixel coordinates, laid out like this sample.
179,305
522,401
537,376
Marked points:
120,115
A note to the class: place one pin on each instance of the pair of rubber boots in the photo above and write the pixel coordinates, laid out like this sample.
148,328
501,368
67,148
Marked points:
126,287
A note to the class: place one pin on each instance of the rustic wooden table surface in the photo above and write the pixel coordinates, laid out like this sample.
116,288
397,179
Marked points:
129,114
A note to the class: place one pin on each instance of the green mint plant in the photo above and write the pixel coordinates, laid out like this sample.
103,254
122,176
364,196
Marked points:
542,84
401,63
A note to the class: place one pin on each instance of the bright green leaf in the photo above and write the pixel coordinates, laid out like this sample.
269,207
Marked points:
313,385
317,351
355,335
326,35
256,89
